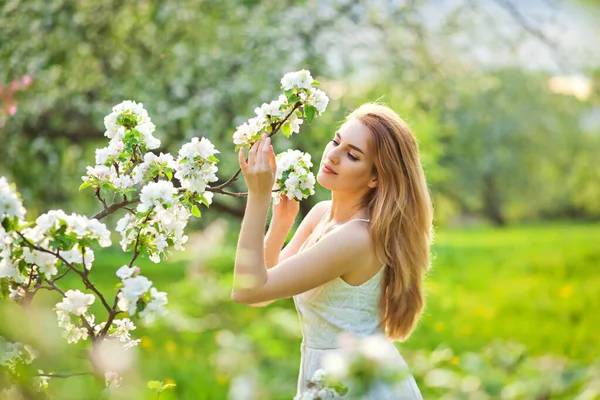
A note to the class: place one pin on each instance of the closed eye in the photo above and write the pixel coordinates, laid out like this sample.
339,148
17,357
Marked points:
350,156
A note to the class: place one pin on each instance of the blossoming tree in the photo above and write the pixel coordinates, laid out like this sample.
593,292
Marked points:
36,256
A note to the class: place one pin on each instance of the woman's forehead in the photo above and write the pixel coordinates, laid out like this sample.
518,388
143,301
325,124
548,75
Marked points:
355,132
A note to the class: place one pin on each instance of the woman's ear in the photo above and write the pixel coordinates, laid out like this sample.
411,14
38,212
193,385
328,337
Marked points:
373,182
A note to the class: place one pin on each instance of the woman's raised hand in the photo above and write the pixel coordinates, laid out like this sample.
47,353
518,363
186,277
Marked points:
260,169
286,210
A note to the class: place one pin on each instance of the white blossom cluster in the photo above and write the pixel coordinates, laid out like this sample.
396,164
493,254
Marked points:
10,203
318,388
132,115
153,166
196,166
300,88
304,83
9,262
157,194
161,228
137,287
15,353
79,226
120,329
75,303
129,129
293,177
76,227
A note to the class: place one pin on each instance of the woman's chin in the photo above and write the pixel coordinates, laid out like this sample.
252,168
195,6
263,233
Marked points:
322,180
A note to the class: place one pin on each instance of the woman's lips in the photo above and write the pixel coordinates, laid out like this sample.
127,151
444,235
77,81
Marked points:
327,170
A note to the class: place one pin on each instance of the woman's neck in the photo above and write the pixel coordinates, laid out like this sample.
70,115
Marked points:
344,209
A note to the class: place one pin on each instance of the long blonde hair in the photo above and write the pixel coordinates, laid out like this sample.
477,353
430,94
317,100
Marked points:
402,218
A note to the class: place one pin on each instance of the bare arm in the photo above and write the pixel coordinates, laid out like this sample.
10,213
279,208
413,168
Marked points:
278,231
334,255
274,241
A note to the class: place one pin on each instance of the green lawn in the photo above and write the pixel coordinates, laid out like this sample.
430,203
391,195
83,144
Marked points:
535,285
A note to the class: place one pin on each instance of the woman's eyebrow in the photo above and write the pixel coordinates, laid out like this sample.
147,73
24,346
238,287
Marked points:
351,145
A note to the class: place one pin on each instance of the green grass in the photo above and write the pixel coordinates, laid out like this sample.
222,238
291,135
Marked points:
536,285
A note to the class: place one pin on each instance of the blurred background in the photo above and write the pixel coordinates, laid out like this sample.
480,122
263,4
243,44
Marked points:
503,96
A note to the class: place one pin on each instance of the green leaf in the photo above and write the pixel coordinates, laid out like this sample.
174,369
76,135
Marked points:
169,386
213,159
310,112
316,83
155,385
286,129
196,211
204,201
169,175
293,99
84,185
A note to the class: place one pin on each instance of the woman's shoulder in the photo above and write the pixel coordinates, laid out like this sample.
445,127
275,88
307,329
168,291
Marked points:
321,207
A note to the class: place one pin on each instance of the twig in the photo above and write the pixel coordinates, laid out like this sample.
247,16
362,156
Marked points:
100,198
83,275
81,317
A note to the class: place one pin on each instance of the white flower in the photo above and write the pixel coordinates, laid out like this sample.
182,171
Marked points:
132,289
113,380
300,79
75,302
272,110
319,99
195,169
100,173
122,182
114,148
299,183
10,204
294,121
50,220
156,308
125,272
197,148
249,131
45,262
75,255
122,330
156,193
146,128
161,162
17,293
10,271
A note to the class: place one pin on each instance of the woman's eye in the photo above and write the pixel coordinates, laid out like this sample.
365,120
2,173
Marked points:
350,156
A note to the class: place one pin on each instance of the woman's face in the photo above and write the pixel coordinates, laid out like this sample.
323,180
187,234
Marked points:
347,161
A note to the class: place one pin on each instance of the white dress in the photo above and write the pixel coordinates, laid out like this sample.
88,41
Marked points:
336,307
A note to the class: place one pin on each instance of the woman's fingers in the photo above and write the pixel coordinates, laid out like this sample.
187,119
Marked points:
272,158
242,160
261,155
252,154
265,153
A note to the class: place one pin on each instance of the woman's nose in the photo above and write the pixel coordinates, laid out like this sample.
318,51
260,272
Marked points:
332,157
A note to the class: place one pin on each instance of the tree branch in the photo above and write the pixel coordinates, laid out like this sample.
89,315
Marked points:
83,275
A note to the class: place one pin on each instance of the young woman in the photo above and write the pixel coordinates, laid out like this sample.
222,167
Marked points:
356,262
